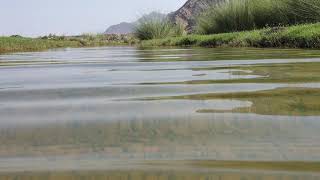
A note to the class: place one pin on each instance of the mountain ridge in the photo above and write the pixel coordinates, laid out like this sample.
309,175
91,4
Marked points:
128,27
190,10
186,15
121,28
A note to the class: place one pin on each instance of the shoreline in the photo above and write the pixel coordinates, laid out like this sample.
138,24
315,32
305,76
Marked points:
305,36
24,44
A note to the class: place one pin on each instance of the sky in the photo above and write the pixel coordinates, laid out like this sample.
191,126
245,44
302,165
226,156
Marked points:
72,17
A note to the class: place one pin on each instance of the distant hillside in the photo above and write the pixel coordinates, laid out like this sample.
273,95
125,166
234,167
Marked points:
190,10
122,28
128,28
186,14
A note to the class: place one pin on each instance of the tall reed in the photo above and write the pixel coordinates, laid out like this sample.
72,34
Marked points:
303,11
157,27
240,15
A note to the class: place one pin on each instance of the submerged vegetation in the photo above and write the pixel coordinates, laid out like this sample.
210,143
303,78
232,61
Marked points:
281,101
267,73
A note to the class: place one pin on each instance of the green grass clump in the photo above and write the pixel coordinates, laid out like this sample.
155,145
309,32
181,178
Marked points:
157,27
241,15
303,11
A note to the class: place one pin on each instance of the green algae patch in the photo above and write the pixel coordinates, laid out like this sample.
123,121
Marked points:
307,72
298,166
261,165
280,101
277,73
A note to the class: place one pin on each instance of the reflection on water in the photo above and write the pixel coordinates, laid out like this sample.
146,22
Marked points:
113,113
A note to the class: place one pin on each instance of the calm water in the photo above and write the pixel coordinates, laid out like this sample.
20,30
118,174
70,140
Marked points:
129,113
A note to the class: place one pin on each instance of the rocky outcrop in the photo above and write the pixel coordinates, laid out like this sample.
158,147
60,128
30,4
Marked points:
188,13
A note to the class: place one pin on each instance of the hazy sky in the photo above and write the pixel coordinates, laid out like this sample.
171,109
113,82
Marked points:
40,17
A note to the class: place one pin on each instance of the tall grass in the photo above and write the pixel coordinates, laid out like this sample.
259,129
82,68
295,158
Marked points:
303,11
240,15
157,27
299,36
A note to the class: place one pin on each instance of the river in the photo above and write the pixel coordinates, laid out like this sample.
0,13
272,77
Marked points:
162,113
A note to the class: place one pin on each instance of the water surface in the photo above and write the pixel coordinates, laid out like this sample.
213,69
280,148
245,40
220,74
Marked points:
130,113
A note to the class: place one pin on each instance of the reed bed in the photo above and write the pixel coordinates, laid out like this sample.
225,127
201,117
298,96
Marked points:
241,15
157,27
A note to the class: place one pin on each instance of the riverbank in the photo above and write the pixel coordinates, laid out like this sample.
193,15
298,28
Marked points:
299,36
24,44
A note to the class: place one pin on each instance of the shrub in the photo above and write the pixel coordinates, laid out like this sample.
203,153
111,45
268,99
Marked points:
240,15
157,27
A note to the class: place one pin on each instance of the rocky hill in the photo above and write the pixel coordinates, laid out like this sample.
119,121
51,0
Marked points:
122,28
186,14
128,28
190,10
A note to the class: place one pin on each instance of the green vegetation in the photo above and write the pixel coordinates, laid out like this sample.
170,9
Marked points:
253,23
19,44
240,15
157,28
299,36
281,101
275,73
279,73
260,165
302,11
15,44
